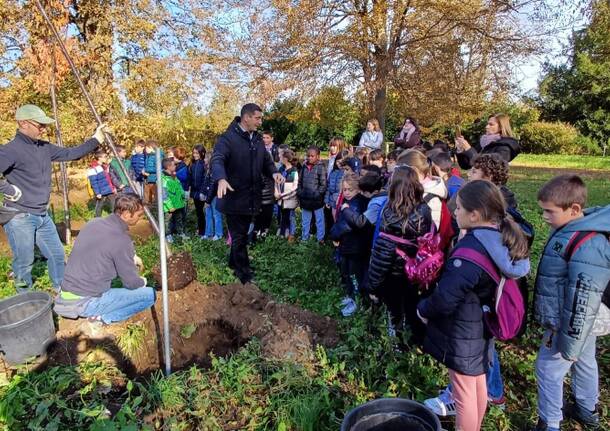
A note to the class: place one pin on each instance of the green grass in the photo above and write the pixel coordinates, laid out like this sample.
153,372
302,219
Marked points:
597,163
249,391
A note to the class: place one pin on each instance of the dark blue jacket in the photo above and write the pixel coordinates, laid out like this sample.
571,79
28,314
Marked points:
312,186
182,173
138,163
334,187
455,334
197,174
242,160
26,163
352,241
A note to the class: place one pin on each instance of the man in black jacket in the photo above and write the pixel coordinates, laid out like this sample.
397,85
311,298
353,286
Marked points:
238,164
25,162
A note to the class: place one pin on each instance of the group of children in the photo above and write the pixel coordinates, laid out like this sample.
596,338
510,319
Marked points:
384,218
180,183
381,211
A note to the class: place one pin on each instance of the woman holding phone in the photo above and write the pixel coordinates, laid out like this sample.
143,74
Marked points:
498,139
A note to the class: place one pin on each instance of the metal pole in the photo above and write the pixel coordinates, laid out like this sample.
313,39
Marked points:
62,165
98,119
163,249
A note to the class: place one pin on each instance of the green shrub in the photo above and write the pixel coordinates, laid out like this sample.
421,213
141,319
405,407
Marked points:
555,138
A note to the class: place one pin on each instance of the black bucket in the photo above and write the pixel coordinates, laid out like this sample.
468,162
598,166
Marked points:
26,326
391,414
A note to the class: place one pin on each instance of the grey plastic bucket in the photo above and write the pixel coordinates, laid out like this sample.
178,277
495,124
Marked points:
391,414
26,326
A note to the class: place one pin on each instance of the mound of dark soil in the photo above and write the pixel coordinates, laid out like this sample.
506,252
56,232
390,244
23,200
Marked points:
180,269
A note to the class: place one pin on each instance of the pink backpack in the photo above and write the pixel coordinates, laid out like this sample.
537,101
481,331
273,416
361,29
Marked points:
425,267
506,320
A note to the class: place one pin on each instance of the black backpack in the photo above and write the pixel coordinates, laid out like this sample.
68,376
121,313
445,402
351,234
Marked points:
526,227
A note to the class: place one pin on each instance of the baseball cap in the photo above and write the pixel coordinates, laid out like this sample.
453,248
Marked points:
34,113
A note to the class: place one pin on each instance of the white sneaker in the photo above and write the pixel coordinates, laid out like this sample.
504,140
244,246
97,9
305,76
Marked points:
345,300
169,239
443,405
349,308
215,238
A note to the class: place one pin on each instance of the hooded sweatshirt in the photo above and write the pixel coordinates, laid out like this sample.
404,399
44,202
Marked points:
456,335
435,186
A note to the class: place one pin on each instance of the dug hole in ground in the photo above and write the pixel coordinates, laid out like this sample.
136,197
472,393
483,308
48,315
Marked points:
203,319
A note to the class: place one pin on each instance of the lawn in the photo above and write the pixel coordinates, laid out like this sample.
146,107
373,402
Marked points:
247,388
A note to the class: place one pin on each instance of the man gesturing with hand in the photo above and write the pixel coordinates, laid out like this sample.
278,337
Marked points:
238,165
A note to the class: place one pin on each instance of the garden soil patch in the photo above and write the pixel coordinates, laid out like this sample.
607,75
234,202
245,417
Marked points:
180,269
203,319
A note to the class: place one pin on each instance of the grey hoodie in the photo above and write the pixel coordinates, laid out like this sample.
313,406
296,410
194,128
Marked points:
492,241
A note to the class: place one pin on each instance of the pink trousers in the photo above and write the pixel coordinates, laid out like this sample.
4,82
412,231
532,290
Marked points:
470,395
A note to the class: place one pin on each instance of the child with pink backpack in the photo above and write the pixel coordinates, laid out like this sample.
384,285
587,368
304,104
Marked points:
469,305
404,218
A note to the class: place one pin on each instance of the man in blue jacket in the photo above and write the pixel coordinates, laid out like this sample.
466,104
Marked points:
238,164
26,163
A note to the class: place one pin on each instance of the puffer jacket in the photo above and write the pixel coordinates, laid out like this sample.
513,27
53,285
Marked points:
384,260
334,187
506,147
568,294
150,167
455,333
138,163
435,186
241,159
99,178
312,186
352,241
182,173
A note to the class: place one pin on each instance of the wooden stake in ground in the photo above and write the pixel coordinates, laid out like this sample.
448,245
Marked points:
62,165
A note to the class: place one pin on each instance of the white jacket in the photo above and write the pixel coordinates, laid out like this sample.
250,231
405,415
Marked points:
435,186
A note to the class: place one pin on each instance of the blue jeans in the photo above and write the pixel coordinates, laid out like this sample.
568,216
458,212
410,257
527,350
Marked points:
25,230
119,303
495,385
213,220
551,370
306,216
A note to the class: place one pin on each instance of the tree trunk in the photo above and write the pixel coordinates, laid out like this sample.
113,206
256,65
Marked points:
380,103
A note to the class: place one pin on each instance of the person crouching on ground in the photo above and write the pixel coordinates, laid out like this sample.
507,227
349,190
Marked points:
103,251
174,205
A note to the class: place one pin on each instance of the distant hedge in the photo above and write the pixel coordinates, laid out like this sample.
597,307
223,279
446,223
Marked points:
555,138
